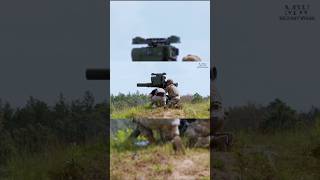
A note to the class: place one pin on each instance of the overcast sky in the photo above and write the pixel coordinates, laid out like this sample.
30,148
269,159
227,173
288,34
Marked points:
45,47
188,20
260,58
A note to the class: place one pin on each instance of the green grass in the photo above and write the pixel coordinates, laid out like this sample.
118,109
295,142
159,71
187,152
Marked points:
197,110
65,162
189,110
129,113
156,162
280,155
218,164
153,161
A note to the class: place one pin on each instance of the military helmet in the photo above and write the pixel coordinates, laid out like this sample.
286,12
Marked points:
169,81
191,58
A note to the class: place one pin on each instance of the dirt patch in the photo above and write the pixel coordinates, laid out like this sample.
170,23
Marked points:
163,114
191,166
161,164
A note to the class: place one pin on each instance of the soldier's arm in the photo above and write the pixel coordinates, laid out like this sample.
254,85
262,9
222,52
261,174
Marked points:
166,89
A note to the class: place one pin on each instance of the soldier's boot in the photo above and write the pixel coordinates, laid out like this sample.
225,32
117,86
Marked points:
177,145
178,106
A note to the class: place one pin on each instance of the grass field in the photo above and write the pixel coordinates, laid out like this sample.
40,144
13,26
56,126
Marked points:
65,162
287,155
189,110
156,161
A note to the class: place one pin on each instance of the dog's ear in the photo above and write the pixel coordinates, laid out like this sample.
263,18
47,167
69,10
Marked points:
213,73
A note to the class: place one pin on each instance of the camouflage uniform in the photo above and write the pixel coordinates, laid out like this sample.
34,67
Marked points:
220,140
198,133
217,111
173,94
158,97
168,128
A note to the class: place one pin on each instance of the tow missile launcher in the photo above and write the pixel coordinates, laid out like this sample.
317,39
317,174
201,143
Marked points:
158,49
157,80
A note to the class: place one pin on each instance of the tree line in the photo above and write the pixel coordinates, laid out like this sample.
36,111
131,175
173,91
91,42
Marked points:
37,126
123,101
275,116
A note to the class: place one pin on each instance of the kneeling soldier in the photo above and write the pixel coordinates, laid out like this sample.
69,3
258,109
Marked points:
173,94
158,97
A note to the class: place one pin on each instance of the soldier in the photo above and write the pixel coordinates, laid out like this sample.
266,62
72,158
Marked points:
158,97
168,129
217,112
220,140
173,94
198,133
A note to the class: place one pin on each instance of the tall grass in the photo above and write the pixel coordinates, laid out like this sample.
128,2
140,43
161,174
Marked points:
290,154
198,110
87,161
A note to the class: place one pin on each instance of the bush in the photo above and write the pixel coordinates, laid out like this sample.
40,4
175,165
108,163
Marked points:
122,101
36,126
280,116
197,98
119,141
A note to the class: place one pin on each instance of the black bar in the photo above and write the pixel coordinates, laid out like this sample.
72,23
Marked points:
98,74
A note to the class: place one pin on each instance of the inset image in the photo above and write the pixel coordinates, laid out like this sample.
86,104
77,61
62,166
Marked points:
160,149
143,31
149,32
157,49
160,92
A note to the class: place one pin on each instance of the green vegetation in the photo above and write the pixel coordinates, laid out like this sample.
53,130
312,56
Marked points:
218,164
86,161
128,161
199,109
63,141
272,142
138,105
282,155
